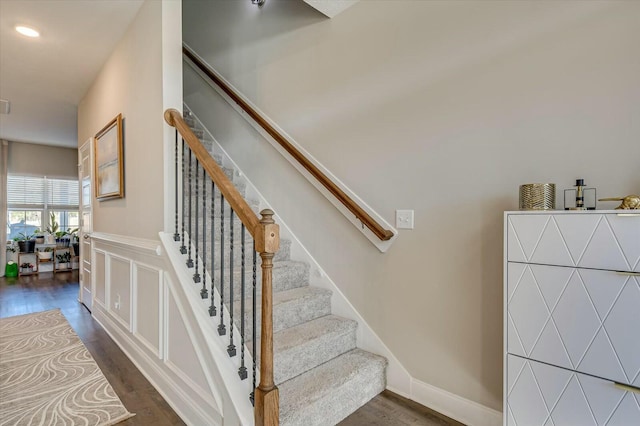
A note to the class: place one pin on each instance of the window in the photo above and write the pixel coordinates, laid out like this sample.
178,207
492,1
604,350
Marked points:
23,222
67,219
31,199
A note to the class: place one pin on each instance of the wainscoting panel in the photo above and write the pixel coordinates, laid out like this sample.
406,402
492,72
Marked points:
119,289
132,290
147,303
99,273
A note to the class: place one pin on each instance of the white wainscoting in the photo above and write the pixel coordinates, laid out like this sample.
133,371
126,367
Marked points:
139,306
148,292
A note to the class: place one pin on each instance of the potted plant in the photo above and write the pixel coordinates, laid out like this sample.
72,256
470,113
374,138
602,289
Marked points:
52,229
61,241
63,259
12,251
26,243
46,253
26,267
39,236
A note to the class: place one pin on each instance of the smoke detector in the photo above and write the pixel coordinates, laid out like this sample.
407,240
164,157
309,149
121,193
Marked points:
5,106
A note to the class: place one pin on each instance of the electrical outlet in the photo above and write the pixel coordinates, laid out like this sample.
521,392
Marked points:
117,304
404,219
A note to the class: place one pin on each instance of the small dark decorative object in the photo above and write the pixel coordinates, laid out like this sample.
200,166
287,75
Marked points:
581,198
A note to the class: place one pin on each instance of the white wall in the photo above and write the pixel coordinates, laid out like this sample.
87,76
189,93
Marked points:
441,107
131,83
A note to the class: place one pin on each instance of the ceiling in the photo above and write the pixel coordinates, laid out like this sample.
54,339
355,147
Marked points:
45,78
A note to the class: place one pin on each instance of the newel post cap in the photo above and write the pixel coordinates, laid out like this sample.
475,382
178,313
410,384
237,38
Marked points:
268,235
168,116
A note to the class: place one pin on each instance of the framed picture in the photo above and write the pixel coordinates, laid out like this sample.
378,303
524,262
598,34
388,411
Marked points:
108,161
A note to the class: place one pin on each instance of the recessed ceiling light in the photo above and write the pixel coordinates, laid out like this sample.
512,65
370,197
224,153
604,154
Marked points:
27,31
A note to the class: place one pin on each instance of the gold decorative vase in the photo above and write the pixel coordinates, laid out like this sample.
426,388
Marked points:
538,196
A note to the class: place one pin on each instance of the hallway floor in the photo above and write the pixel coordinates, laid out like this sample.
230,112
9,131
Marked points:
40,293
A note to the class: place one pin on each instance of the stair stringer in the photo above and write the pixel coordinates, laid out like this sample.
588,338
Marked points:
398,378
234,393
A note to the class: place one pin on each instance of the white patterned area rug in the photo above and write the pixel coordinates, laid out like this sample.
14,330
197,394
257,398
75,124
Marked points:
48,377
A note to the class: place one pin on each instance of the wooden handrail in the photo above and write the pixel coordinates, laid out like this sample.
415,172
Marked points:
382,233
226,187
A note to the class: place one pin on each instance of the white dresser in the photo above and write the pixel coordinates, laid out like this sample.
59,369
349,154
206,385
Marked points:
572,318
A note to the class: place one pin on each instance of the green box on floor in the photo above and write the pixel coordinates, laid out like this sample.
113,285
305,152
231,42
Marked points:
11,270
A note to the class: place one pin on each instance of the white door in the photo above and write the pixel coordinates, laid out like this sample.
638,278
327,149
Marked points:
86,223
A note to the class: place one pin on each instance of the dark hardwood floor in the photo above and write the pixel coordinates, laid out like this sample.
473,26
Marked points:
39,293
390,409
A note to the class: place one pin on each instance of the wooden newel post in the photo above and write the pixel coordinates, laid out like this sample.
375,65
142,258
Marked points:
267,405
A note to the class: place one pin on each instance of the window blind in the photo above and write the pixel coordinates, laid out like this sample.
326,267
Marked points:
41,192
62,193
25,191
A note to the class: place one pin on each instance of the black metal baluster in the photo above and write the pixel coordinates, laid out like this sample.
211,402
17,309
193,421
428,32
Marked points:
176,235
203,292
242,371
212,307
221,328
189,259
253,331
196,275
231,349
183,249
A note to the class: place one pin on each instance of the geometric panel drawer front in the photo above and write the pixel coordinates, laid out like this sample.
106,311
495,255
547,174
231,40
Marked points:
572,318
584,239
543,395
581,319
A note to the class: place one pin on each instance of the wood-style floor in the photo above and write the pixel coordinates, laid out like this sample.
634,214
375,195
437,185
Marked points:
40,293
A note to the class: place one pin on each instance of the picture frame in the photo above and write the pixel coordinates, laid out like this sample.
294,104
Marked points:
109,161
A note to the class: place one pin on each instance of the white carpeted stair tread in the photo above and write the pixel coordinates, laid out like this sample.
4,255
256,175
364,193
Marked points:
283,253
305,346
286,275
290,308
329,393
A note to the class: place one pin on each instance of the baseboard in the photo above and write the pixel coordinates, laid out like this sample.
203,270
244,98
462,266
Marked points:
189,410
454,406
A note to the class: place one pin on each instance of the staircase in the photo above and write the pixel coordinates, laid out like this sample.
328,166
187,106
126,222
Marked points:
321,375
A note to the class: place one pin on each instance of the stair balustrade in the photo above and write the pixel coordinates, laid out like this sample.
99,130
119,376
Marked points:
196,221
